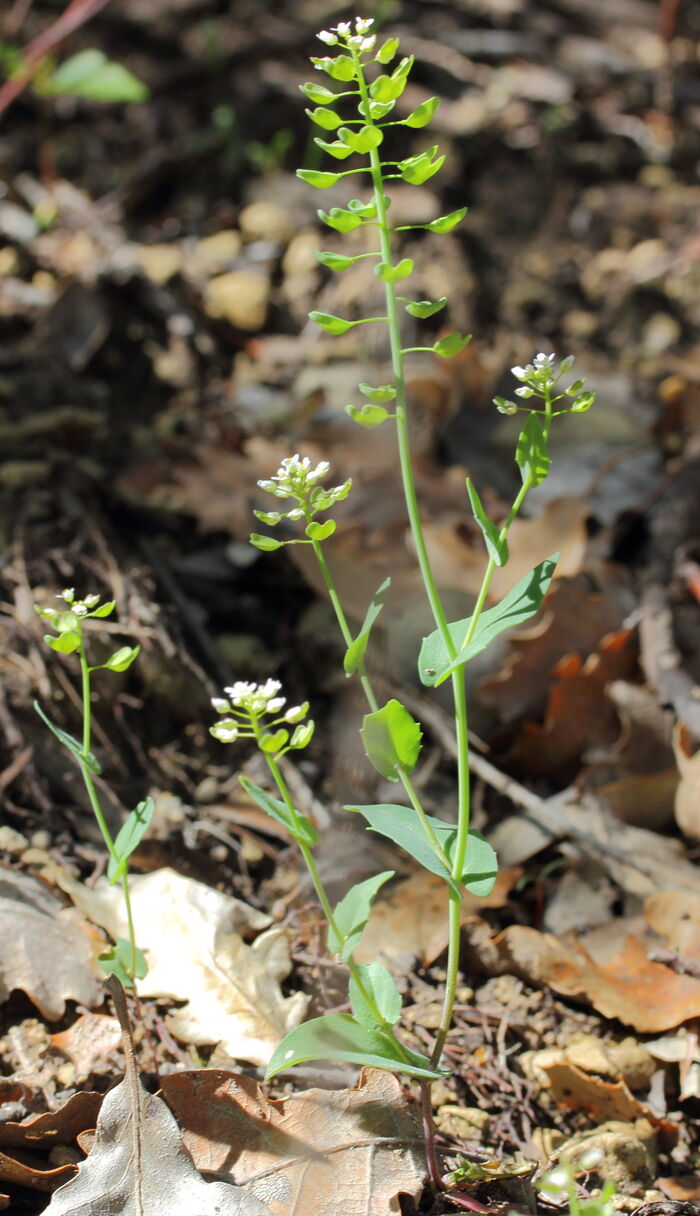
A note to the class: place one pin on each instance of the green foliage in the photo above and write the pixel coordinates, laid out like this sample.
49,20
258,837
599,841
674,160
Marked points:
392,739
339,1036
129,838
90,74
352,913
355,653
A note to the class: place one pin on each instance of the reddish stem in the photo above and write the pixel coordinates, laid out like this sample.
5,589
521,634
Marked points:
36,51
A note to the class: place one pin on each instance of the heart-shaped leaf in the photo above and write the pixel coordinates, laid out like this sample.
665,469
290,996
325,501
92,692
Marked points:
394,274
340,219
368,415
317,531
325,118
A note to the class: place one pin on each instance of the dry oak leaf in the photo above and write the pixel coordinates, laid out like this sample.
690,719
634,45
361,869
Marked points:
602,1100
138,1167
88,1040
44,951
192,936
612,971
323,1152
38,1136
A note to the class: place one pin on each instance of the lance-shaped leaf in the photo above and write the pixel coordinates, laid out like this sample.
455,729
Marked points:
421,116
331,324
380,394
351,914
340,219
379,985
103,610
129,837
338,1036
304,829
318,93
425,308
121,659
74,747
451,345
325,118
313,177
368,415
521,602
402,825
495,547
356,651
531,452
391,738
394,274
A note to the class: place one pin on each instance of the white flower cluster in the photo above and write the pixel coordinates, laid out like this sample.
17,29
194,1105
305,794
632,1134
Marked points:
249,702
294,477
83,607
361,40
541,368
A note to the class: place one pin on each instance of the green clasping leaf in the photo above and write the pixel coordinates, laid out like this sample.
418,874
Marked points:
321,181
267,544
451,345
379,985
280,813
383,392
394,274
273,741
129,837
122,658
391,738
318,93
335,261
368,415
331,324
327,119
531,452
421,116
352,913
65,643
341,220
387,51
316,531
117,961
340,68
356,650
425,308
495,547
338,150
363,140
338,1036
521,602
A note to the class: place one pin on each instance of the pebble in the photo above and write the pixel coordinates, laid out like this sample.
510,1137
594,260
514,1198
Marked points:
35,857
12,842
207,790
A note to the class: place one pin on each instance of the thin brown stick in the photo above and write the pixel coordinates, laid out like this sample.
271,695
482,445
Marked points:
35,52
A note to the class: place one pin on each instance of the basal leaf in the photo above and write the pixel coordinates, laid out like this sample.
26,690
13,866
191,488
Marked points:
356,651
117,961
338,1036
351,914
496,548
90,74
391,738
521,602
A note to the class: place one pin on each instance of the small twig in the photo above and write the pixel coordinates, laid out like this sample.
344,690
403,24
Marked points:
36,51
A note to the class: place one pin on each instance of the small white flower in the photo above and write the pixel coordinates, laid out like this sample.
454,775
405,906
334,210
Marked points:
343,29
220,705
367,44
327,37
239,690
79,609
520,373
68,595
295,713
524,391
275,704
363,24
226,731
270,688
91,601
542,361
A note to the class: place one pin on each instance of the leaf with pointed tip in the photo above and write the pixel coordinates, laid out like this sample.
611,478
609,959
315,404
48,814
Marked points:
351,914
118,960
280,813
425,308
338,1036
74,747
129,837
368,415
421,116
391,739
335,261
521,602
418,169
451,345
267,544
331,324
495,547
356,650
313,177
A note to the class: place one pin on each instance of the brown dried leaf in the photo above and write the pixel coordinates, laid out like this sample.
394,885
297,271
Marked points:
89,1039
54,1127
687,802
602,1100
43,948
350,1151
